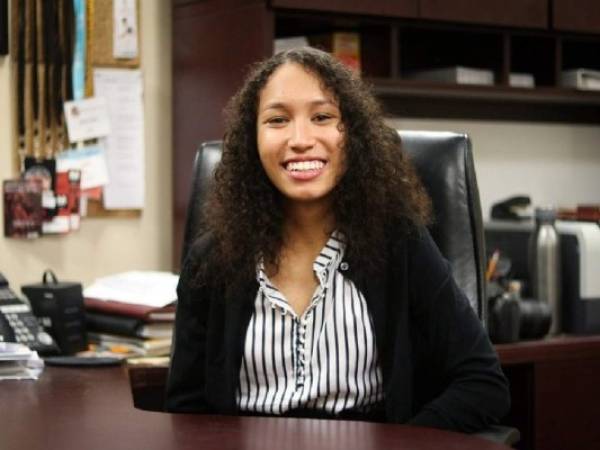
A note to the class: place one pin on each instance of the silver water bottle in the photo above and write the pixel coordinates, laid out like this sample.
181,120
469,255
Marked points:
544,264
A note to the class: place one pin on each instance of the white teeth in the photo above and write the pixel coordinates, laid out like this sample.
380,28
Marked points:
305,165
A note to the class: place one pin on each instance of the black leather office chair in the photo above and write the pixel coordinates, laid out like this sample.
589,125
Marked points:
444,162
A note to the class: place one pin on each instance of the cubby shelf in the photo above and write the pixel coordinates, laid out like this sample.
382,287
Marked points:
388,87
408,98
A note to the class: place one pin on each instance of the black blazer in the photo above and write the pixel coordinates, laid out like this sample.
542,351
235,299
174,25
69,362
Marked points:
439,368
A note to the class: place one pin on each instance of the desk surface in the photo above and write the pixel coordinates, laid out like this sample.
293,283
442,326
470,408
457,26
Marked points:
90,409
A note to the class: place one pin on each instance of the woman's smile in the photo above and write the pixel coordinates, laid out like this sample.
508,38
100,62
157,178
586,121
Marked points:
305,170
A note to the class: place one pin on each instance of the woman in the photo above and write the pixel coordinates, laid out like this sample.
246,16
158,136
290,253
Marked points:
316,290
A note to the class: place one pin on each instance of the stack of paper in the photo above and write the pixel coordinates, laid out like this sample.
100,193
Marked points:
18,362
148,288
521,80
586,79
456,74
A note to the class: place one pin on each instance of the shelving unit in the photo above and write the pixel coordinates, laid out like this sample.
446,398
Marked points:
392,48
214,39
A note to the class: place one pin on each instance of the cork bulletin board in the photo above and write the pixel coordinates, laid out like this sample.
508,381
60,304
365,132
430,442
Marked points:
40,30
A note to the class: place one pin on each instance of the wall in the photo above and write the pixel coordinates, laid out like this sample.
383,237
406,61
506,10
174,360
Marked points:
555,164
104,246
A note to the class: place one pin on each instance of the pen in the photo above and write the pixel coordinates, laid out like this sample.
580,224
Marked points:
491,268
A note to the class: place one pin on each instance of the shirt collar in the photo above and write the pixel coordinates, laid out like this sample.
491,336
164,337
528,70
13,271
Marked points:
330,256
325,263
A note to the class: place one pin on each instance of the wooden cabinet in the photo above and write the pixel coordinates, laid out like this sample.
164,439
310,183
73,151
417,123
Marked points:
395,8
214,42
517,13
555,392
576,15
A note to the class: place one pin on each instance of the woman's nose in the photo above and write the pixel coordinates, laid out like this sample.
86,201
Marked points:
302,137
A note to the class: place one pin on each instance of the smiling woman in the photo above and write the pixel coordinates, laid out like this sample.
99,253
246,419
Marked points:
317,290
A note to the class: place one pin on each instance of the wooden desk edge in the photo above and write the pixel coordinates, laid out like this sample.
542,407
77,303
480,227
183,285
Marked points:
558,348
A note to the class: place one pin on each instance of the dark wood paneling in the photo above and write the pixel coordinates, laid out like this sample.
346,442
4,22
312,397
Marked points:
576,15
555,391
521,415
567,405
212,49
395,8
517,13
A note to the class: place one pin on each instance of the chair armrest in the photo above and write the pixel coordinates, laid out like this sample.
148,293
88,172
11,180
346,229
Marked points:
500,435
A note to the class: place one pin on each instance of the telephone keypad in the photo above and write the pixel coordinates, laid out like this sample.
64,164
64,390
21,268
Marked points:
22,327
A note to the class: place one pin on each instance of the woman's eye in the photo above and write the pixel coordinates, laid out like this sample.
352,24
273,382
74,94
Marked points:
322,117
276,120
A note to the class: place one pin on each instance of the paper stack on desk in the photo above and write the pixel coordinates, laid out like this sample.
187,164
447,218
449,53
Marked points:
132,313
18,362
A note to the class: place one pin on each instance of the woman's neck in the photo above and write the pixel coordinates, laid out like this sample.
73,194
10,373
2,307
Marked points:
307,226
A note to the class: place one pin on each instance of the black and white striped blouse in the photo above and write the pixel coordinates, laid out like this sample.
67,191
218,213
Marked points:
325,360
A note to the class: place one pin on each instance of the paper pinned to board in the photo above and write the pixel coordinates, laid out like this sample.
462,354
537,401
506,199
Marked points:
90,160
150,288
124,146
125,34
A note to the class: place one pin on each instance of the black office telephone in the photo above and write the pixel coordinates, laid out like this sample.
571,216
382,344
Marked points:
18,324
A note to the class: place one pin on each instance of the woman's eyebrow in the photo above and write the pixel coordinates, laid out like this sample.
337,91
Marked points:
283,105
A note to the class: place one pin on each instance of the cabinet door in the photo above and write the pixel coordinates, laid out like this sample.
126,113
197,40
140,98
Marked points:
517,13
395,8
577,15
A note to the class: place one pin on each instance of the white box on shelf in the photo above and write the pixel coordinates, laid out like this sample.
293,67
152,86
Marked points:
289,43
586,79
521,80
456,74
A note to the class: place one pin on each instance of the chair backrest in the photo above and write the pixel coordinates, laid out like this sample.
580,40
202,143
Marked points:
444,161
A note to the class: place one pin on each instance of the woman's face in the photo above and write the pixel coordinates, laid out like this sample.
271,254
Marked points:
300,137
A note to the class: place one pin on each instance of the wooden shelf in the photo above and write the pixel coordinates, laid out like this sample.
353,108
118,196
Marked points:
410,98
386,87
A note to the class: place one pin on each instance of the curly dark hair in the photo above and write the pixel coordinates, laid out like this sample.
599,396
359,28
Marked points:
378,190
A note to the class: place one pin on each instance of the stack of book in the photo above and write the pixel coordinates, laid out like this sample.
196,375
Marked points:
133,330
132,313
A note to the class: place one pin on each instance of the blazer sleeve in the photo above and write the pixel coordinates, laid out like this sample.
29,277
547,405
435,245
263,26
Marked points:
185,390
467,390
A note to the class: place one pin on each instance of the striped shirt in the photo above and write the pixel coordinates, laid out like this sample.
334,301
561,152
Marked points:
325,360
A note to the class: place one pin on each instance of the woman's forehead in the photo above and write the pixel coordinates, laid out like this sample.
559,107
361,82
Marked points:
294,82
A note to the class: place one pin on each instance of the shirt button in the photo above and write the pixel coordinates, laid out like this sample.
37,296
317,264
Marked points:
344,266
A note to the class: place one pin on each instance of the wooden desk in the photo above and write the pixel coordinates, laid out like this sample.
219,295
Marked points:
555,389
91,409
